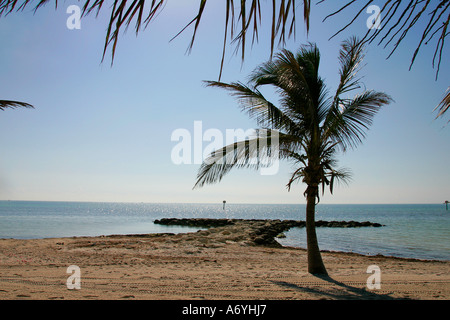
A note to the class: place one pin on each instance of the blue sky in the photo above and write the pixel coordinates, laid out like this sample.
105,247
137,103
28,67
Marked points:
103,133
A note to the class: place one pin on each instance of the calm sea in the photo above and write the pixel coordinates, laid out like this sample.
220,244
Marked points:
412,231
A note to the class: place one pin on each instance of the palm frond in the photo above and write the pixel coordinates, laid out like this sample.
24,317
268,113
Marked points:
256,152
347,119
257,106
444,105
295,78
299,173
292,72
341,176
242,23
350,58
348,122
315,125
400,18
328,176
8,6
13,104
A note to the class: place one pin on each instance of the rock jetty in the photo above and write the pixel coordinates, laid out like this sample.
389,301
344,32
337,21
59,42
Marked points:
252,231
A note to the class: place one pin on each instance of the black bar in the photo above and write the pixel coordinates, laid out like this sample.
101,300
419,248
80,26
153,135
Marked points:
221,309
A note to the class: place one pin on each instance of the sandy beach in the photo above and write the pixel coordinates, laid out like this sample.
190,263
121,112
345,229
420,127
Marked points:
214,264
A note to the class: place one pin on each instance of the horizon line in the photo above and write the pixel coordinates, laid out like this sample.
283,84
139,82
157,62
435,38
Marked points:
221,202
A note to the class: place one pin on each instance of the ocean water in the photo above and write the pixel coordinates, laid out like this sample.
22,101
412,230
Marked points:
410,231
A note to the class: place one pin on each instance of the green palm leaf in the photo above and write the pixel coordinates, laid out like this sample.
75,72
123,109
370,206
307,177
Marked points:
349,121
350,57
255,152
257,106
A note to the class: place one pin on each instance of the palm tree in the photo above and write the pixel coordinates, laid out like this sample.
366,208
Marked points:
311,125
13,104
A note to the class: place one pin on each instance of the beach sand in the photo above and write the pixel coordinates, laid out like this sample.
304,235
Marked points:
214,264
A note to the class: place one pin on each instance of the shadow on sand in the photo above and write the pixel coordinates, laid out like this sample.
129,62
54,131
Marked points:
334,289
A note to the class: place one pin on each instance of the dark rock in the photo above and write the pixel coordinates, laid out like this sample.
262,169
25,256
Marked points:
256,231
195,222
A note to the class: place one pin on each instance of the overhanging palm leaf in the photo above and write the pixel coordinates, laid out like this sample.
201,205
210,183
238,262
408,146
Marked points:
400,18
283,18
13,104
444,105
311,125
241,18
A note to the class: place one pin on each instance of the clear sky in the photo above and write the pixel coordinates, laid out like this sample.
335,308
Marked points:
103,133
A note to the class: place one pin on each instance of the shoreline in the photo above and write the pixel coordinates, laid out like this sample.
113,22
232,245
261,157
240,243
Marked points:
262,232
283,246
219,263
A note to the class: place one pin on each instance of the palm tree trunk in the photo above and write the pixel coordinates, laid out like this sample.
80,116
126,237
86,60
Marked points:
315,263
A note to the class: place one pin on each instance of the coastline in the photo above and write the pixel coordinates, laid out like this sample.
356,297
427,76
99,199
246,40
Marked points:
213,264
